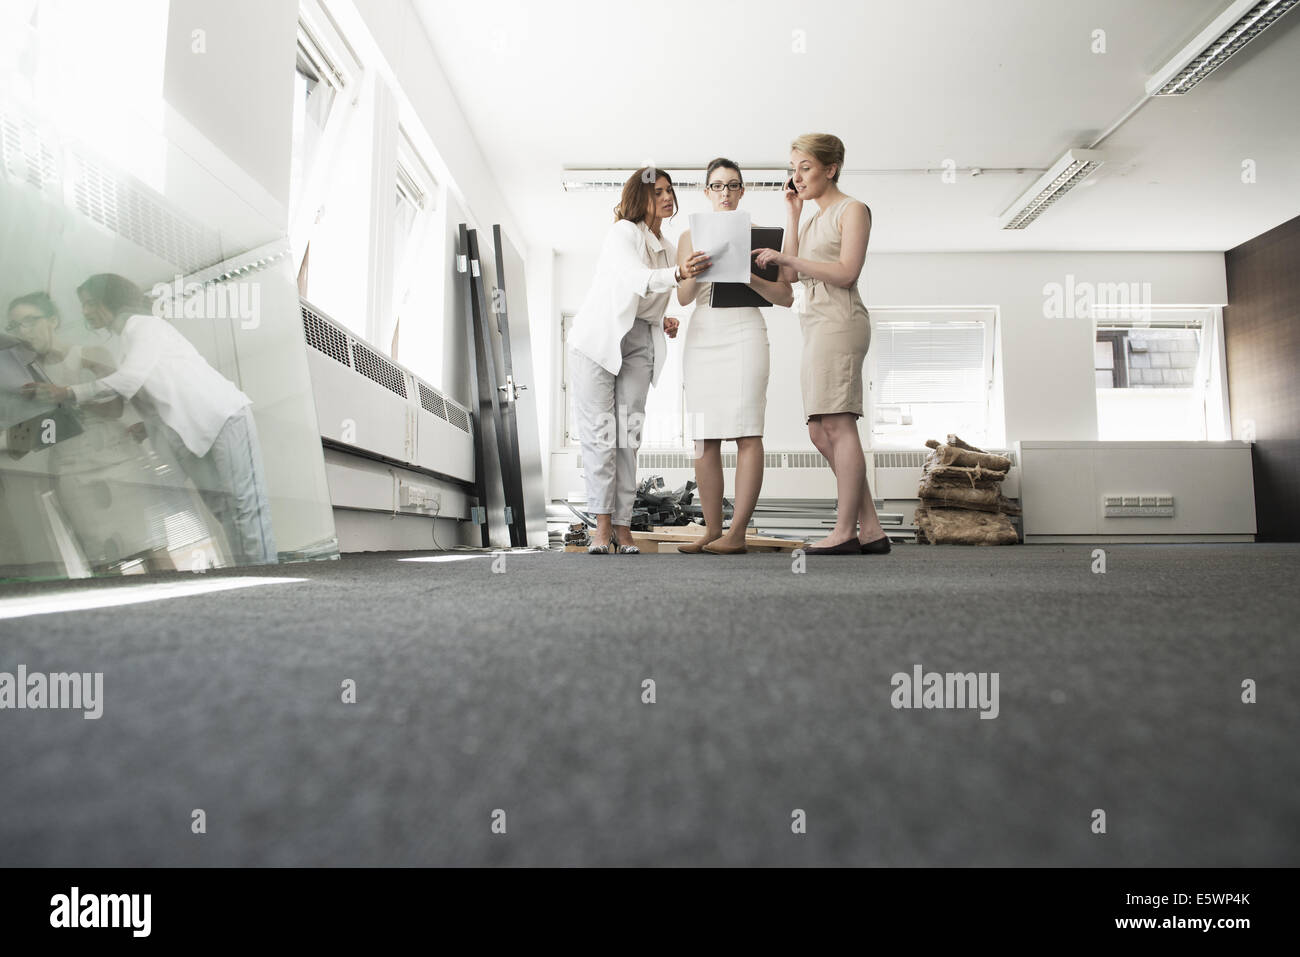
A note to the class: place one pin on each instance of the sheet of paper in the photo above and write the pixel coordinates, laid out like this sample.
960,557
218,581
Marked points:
725,237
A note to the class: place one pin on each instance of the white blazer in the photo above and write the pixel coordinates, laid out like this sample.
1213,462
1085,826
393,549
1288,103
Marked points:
625,277
160,364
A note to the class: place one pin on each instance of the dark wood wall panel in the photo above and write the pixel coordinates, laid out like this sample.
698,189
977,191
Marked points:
1261,326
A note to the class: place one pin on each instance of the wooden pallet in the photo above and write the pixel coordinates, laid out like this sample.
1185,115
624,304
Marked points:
665,539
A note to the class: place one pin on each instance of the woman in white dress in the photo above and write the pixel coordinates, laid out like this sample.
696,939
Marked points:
724,369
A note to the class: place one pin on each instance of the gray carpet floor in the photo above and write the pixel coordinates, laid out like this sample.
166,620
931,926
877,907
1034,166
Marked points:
520,690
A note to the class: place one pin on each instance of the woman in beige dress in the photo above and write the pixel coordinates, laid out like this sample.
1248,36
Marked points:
826,256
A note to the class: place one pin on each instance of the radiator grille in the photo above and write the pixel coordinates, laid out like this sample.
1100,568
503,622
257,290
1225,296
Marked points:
805,460
378,369
432,401
26,156
123,207
789,460
457,417
325,337
116,201
899,460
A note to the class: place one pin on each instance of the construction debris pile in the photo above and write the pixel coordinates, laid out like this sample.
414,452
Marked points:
657,505
961,497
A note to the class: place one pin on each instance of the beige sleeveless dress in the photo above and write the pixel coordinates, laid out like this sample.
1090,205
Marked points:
835,322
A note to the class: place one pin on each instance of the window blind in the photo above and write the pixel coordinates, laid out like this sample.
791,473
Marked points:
925,362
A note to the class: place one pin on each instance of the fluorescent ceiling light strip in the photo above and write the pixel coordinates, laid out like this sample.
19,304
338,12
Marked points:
1241,22
1063,175
88,599
601,180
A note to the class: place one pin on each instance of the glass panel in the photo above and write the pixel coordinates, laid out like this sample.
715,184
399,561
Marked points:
155,406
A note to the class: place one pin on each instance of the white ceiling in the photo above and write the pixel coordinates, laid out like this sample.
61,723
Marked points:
989,83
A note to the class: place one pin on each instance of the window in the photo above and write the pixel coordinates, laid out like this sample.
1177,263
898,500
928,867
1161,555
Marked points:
1154,373
930,373
325,67
312,100
416,288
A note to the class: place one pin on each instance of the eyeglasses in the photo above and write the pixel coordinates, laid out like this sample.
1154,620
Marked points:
730,187
18,325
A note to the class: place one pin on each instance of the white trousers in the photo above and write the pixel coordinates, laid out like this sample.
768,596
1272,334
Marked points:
611,411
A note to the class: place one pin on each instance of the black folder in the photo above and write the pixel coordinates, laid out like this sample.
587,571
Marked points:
733,295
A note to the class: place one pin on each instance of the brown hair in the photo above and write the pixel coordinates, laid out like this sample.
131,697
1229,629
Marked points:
638,191
723,163
116,292
825,148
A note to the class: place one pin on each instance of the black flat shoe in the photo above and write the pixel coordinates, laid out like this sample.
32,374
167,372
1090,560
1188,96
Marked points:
879,547
851,547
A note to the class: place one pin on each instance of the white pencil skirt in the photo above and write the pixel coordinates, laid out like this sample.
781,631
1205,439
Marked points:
725,365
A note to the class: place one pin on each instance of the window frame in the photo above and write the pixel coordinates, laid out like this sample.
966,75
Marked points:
988,316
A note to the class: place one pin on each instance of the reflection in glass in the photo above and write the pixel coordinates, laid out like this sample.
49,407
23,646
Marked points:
155,406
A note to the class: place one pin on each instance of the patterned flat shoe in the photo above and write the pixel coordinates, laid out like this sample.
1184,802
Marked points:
622,549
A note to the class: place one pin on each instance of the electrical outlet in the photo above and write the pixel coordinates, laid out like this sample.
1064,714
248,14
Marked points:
418,496
1149,505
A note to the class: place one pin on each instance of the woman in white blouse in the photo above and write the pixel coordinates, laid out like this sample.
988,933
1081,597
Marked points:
203,417
617,349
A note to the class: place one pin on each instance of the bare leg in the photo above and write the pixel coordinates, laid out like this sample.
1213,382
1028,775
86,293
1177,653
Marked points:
869,529
708,476
850,475
749,480
604,528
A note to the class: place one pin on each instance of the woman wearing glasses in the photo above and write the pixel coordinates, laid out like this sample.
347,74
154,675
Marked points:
724,371
204,418
116,494
617,349
827,256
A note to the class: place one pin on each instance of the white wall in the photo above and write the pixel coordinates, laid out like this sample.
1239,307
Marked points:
1049,386
400,38
1045,365
238,90
401,42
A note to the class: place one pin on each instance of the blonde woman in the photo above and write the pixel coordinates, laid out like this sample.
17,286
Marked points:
725,364
826,256
617,349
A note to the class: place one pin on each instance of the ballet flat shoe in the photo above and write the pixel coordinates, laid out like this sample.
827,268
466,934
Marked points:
715,548
850,547
879,547
692,548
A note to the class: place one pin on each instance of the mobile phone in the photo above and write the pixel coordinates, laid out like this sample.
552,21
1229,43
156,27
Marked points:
789,185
